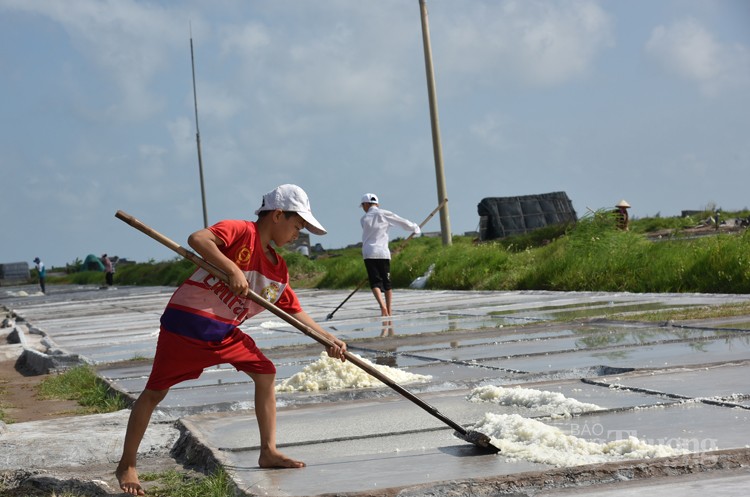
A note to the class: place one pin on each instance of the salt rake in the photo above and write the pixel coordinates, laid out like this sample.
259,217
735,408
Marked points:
479,439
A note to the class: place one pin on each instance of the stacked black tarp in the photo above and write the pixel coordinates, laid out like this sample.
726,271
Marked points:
12,272
504,216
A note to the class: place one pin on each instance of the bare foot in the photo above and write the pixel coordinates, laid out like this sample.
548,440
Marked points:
128,478
275,459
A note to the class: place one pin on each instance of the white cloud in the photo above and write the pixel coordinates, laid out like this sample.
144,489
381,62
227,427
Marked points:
333,57
182,132
689,50
493,131
128,41
249,39
217,102
532,42
533,96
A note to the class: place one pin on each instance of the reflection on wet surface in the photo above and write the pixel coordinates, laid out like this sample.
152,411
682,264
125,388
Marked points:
477,339
582,310
745,326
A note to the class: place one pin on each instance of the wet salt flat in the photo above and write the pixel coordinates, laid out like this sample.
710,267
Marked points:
662,388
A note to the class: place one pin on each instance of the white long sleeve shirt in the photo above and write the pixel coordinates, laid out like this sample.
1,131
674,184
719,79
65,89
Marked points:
375,224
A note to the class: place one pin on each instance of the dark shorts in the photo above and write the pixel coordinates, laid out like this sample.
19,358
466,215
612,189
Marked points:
179,358
379,273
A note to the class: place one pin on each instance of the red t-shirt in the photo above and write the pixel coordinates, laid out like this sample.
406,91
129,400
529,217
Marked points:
203,307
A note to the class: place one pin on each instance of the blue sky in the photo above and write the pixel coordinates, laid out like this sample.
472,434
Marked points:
645,100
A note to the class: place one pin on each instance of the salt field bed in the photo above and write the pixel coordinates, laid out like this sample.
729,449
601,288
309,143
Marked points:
355,419
220,398
451,375
109,353
692,426
269,340
723,381
209,381
745,326
404,325
647,356
611,308
555,396
590,340
599,395
360,471
236,388
104,335
373,434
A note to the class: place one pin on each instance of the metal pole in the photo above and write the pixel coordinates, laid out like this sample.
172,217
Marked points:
198,135
442,193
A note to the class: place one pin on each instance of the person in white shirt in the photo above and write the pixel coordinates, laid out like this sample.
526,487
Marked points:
42,272
375,224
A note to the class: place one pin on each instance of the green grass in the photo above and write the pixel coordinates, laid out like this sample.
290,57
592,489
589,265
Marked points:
165,484
175,484
168,273
84,386
3,415
592,255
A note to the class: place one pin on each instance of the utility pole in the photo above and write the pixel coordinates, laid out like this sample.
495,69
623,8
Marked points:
198,135
445,224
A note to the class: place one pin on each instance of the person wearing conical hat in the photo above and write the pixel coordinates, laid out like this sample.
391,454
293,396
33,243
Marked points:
621,214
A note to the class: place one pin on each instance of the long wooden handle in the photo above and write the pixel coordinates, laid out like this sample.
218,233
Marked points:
199,261
426,220
357,361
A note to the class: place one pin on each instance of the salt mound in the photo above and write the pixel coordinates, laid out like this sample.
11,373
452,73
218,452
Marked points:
20,293
272,324
522,438
331,374
553,403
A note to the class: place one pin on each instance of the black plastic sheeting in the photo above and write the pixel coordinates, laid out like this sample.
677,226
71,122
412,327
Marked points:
503,216
14,271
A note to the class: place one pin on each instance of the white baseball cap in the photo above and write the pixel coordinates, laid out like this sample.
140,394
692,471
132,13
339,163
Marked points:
292,198
369,198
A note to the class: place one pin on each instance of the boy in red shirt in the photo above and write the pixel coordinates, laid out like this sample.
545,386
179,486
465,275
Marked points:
199,327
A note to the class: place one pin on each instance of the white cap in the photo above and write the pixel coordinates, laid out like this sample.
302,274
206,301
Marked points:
369,198
292,198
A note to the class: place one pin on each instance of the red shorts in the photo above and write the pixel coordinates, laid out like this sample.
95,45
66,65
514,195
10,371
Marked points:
179,358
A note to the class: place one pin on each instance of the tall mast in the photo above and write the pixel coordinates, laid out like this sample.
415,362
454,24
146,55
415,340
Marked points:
198,134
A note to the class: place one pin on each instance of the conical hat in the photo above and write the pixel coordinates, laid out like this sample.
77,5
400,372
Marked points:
622,203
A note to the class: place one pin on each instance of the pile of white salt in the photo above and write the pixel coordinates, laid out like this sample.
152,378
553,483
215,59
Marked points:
552,403
331,374
520,438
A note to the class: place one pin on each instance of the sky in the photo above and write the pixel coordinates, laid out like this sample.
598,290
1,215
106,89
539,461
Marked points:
642,100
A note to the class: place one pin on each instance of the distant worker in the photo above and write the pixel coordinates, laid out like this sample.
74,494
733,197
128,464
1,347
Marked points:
375,224
42,271
109,270
621,215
